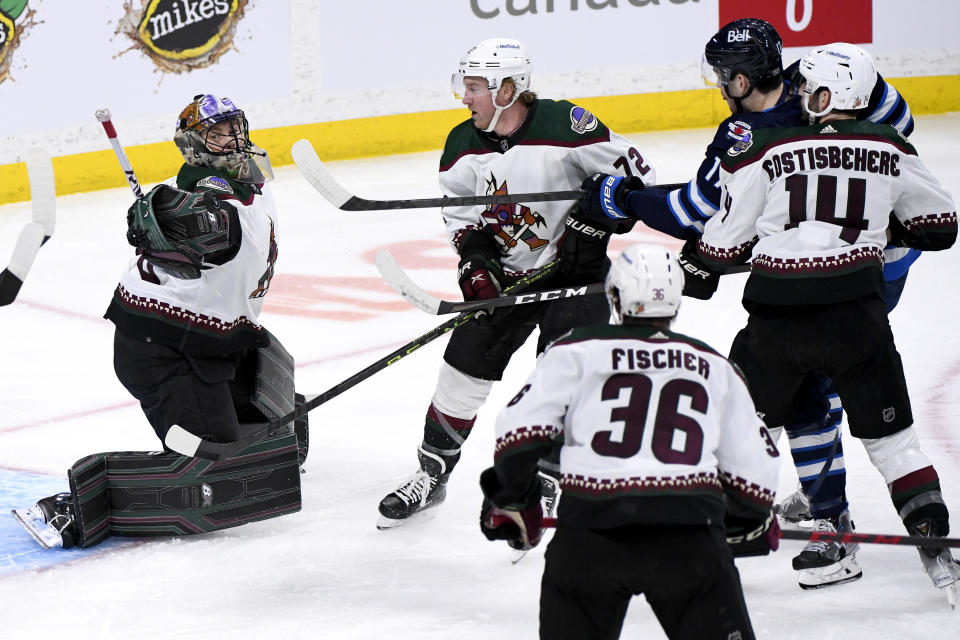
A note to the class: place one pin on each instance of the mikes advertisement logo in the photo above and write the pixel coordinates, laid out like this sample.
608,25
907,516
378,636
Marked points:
181,35
13,24
807,23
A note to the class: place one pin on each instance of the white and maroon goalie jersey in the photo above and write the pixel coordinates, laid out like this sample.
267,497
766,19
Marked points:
656,428
556,148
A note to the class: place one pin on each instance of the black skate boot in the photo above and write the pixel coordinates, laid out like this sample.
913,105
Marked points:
823,563
50,521
421,494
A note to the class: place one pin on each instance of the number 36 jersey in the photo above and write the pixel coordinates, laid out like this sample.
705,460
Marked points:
656,427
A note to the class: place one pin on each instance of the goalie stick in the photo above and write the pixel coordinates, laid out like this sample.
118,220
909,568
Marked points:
105,119
313,169
43,197
398,279
185,443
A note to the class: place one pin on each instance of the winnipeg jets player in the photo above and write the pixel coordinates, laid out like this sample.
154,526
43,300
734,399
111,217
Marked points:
513,142
812,206
662,445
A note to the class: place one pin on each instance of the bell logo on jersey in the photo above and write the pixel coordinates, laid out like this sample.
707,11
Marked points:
182,35
582,120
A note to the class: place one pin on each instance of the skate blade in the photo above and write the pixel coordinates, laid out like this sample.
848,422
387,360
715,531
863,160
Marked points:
384,523
518,555
46,536
847,570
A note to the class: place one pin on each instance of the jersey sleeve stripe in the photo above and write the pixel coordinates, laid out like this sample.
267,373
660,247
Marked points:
678,212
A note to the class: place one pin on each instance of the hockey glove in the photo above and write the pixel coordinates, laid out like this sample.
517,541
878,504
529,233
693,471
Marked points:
521,528
698,280
605,196
479,272
752,538
582,250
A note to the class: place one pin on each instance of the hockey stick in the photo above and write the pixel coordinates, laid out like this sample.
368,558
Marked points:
832,536
408,289
310,165
103,115
398,279
43,197
185,443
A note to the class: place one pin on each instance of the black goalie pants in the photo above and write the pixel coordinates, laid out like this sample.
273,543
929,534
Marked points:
686,574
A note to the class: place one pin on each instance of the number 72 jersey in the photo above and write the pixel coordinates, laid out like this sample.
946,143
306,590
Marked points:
813,204
657,428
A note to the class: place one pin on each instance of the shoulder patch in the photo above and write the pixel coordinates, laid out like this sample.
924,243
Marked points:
742,136
215,183
582,120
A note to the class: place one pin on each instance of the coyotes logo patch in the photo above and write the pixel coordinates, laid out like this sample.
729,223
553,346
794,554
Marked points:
512,223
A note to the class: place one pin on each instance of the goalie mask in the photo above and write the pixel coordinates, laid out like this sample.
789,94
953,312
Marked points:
495,60
645,281
212,132
845,70
178,226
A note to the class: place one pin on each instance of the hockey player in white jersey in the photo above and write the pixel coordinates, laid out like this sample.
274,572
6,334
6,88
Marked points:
189,348
812,206
661,447
514,142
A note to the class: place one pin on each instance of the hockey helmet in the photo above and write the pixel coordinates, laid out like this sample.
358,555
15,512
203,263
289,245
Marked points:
845,70
749,46
204,141
495,60
645,281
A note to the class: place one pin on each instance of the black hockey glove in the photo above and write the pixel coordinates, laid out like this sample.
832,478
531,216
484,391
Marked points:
479,272
521,528
752,537
605,196
698,281
582,249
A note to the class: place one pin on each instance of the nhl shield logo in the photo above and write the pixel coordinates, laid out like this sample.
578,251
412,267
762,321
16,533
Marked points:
889,414
181,35
582,120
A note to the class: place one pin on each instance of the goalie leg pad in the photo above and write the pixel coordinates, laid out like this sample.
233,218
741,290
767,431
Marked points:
161,494
273,392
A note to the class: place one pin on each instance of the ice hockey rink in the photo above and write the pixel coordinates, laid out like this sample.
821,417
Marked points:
327,572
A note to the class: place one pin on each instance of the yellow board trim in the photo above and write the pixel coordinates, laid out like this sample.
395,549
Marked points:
413,132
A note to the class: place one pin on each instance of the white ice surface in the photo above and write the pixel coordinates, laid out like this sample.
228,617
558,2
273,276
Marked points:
326,572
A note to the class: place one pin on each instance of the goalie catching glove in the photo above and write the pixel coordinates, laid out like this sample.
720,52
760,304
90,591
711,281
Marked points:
176,227
521,528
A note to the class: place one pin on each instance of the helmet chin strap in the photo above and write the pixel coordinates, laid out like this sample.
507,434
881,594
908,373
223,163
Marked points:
498,109
814,116
738,100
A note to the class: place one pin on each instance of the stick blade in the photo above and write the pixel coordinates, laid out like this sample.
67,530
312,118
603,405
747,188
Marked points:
43,189
310,166
402,284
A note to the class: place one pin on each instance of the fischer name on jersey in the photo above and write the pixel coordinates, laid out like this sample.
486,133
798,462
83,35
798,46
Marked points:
217,313
657,427
556,148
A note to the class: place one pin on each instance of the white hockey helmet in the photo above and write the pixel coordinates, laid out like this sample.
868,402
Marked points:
495,60
845,70
645,281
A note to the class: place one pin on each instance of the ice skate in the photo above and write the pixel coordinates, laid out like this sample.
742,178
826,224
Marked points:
794,509
418,497
49,522
941,567
824,563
